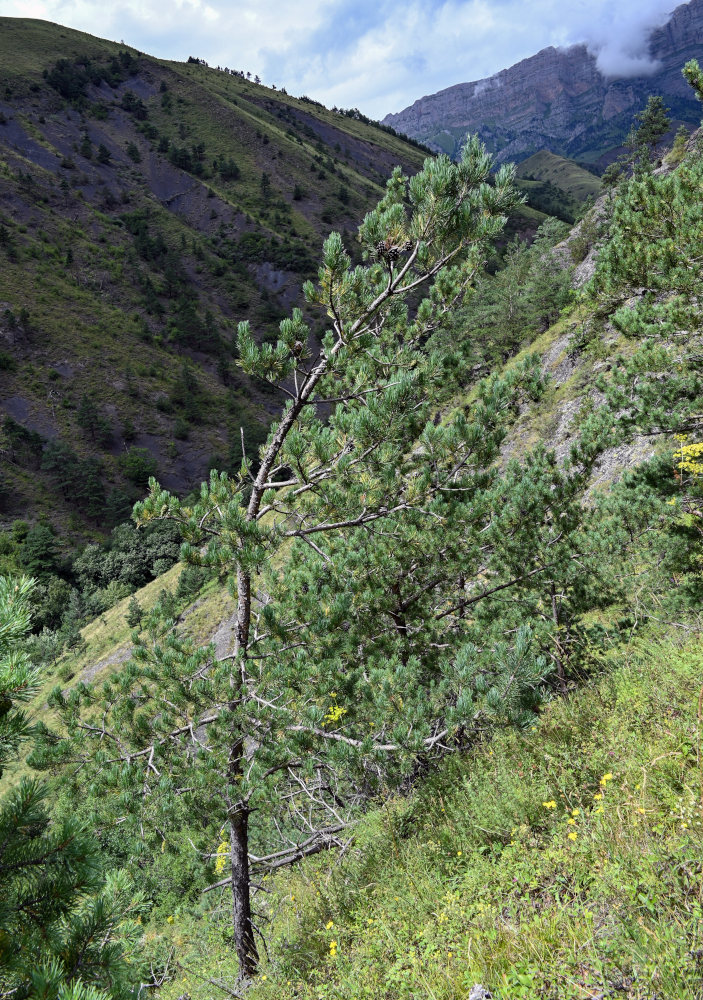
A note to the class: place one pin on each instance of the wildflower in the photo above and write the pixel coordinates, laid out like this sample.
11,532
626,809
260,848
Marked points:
575,812
550,805
169,920
458,854
605,779
598,796
221,857
334,714
451,954
329,925
333,949
571,822
264,976
599,810
641,811
572,835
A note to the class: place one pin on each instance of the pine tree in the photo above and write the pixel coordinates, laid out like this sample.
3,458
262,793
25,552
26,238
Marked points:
17,675
693,76
654,252
360,658
648,129
62,924
135,613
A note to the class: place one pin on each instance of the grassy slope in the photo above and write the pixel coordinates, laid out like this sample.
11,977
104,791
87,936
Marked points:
106,642
76,271
475,879
564,173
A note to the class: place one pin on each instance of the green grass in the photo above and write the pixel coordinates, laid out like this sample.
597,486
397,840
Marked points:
562,172
479,878
106,642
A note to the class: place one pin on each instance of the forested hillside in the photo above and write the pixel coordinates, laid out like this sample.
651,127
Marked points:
145,208
418,713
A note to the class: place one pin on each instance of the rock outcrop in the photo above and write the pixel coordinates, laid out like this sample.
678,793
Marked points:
559,100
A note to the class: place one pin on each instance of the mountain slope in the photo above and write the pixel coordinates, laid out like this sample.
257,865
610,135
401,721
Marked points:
558,100
145,208
556,185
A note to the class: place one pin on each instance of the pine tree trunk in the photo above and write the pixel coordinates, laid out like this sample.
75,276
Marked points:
241,907
245,943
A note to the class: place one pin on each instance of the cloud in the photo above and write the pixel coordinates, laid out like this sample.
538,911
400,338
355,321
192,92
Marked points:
377,55
618,34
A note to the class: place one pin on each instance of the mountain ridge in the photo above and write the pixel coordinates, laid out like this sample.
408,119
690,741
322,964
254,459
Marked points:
559,100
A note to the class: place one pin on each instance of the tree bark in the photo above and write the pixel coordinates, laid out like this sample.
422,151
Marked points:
241,906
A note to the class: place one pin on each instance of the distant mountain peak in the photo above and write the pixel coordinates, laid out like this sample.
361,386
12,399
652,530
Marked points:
561,100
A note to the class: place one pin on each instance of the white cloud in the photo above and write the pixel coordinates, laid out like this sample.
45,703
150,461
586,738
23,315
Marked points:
378,55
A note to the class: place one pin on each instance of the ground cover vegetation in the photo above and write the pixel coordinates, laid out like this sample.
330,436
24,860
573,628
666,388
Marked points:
406,588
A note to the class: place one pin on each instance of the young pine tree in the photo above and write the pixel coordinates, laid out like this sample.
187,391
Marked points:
390,521
63,925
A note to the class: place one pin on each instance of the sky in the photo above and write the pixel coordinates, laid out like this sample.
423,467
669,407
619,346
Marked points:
376,55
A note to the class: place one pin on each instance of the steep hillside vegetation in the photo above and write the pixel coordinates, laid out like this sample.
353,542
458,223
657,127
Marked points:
560,863
448,728
556,185
145,208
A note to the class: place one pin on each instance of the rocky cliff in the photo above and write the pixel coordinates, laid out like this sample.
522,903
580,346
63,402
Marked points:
559,100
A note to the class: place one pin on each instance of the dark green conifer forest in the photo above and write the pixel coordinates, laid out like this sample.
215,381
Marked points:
405,700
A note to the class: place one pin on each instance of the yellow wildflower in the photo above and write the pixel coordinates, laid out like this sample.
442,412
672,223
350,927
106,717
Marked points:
222,857
334,714
575,812
571,822
169,920
598,796
329,924
572,836
550,805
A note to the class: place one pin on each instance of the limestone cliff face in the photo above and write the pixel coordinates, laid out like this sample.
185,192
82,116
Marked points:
559,100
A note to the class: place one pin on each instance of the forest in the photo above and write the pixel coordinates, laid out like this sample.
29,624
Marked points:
449,743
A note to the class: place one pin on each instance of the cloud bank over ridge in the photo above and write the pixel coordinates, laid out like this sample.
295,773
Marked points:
378,55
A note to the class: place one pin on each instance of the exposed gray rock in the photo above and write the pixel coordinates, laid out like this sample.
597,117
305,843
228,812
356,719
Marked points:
558,99
479,992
